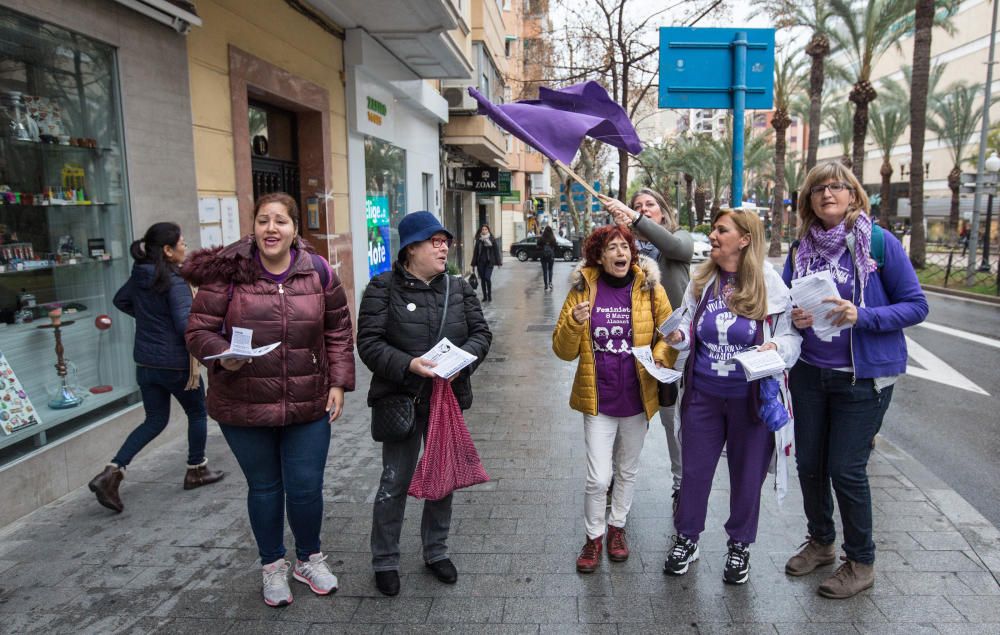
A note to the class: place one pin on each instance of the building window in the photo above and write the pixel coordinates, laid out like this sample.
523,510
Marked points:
64,235
385,201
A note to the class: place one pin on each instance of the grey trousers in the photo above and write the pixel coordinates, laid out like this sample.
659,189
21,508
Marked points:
399,460
670,417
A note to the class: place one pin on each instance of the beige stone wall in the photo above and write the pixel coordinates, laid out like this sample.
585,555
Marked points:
274,32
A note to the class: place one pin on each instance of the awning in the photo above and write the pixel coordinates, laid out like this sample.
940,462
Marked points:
177,14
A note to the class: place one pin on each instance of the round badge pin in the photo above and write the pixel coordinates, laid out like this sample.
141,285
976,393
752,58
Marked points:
411,307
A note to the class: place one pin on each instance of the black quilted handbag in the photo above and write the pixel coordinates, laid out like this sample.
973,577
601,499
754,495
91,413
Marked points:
393,416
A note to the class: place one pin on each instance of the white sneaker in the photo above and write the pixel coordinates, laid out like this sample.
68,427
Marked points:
275,589
316,574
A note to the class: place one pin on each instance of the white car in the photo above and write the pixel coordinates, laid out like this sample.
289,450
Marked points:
702,248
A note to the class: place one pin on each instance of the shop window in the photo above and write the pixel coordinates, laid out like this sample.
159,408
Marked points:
65,351
385,201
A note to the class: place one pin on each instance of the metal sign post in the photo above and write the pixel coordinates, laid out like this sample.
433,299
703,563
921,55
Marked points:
722,69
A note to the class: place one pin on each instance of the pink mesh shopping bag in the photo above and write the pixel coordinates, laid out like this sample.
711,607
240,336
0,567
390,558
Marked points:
450,460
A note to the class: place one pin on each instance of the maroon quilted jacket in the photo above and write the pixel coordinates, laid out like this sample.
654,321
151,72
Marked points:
290,384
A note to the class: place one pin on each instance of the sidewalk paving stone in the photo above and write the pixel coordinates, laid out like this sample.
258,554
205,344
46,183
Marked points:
185,562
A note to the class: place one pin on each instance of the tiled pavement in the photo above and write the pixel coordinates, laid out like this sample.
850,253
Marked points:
178,562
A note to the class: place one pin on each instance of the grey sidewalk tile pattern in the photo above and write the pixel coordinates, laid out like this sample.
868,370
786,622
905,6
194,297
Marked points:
185,562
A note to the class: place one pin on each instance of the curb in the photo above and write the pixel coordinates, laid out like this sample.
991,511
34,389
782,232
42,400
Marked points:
992,299
980,533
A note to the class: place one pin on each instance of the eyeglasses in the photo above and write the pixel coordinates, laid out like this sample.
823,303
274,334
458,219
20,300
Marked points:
437,242
835,188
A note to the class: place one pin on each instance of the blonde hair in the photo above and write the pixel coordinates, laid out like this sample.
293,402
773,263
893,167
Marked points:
749,299
669,218
837,171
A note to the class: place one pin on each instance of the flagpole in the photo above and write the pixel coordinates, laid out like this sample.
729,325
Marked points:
576,177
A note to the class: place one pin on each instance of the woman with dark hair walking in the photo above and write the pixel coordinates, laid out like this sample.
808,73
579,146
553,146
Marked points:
548,255
486,255
160,301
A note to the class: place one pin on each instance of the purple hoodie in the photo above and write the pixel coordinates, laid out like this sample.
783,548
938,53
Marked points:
893,300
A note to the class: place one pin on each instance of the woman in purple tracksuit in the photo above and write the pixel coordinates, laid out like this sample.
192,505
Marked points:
842,384
735,301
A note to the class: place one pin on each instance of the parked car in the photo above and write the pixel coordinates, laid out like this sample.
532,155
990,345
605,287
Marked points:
702,248
528,249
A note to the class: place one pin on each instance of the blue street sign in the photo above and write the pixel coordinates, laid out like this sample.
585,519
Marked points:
697,68
726,69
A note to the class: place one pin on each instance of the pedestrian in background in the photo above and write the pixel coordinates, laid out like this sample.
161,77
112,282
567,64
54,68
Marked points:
615,302
275,411
735,301
485,256
548,248
842,385
160,301
661,238
398,320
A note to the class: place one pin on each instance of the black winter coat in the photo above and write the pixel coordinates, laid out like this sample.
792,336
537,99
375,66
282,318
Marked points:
487,256
390,335
160,318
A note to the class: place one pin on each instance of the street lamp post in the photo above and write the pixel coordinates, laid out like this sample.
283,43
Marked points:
992,166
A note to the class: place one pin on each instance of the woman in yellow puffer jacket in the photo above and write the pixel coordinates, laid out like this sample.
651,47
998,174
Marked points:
615,303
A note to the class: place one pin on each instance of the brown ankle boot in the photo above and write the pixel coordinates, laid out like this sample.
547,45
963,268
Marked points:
849,580
105,486
812,555
200,475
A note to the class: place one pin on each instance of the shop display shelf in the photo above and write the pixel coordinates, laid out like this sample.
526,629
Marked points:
57,147
74,205
83,262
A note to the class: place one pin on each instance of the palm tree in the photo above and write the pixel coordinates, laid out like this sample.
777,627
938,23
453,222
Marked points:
869,31
815,15
889,122
916,89
954,119
923,26
840,120
787,81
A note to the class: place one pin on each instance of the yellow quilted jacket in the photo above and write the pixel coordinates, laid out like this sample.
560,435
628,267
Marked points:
571,339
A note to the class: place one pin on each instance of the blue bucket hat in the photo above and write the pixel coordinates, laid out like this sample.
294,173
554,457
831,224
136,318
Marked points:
417,227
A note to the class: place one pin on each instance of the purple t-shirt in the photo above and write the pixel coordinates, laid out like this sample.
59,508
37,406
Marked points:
836,351
618,392
278,277
721,334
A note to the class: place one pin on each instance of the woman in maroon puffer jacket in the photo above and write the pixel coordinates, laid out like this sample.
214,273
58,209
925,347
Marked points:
275,410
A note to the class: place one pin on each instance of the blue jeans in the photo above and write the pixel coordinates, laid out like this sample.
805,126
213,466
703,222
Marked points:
547,264
156,386
835,423
284,468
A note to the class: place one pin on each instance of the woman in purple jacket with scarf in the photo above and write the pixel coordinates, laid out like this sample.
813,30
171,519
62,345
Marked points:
842,385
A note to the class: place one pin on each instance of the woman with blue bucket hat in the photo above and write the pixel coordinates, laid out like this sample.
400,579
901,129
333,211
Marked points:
404,312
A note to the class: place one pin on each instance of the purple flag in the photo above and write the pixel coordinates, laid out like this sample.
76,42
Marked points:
556,123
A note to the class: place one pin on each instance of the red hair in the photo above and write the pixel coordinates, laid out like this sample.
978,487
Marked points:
597,242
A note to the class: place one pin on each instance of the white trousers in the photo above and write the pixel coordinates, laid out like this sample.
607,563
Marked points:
617,439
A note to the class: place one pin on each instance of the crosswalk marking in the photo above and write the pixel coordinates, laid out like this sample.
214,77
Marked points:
934,368
972,337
